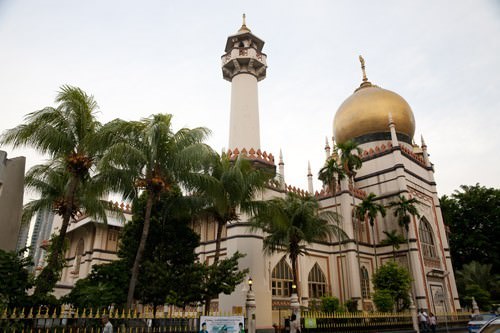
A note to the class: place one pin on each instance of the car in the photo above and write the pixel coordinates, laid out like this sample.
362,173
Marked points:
479,320
493,326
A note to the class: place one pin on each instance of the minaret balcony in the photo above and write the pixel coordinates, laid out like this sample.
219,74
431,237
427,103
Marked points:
244,60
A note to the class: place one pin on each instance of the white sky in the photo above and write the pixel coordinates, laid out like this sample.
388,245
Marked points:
144,57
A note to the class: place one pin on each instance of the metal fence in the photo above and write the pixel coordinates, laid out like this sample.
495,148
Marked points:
363,322
45,320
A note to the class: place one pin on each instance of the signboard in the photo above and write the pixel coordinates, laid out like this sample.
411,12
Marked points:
230,324
310,322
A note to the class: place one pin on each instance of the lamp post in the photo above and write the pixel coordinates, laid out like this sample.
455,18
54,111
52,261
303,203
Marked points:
250,307
294,302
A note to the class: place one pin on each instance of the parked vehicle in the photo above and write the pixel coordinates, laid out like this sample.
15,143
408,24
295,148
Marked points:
493,326
478,321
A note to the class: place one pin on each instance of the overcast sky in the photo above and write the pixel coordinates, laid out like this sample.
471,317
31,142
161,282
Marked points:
143,57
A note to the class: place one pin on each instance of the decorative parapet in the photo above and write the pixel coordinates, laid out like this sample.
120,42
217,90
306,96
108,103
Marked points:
410,154
126,208
252,154
360,194
296,190
371,153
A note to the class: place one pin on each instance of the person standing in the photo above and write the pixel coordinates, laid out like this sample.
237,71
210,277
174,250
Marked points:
432,322
422,320
108,328
294,324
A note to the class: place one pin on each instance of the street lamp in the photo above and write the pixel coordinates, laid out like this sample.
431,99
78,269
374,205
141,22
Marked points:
250,282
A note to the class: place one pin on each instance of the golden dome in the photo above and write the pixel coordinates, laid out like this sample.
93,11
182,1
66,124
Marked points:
366,113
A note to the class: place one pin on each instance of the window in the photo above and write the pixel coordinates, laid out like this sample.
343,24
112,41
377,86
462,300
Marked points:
426,239
365,282
317,282
282,279
78,256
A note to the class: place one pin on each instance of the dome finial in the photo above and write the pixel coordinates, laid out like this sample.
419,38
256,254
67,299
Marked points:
362,61
244,27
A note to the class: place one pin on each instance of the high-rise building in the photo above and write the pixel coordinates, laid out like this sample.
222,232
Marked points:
11,201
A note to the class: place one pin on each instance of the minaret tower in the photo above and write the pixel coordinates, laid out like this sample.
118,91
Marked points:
244,65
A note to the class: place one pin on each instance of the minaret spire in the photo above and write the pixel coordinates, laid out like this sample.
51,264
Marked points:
392,128
309,179
244,65
244,27
362,61
327,148
365,82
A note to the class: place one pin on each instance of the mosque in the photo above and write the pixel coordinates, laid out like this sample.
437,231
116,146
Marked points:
383,125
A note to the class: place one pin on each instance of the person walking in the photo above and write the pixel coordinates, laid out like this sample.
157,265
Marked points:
294,324
432,322
108,328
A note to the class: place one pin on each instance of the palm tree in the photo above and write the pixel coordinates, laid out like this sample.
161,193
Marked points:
393,239
369,208
292,222
147,156
350,158
404,209
226,185
351,161
68,133
331,174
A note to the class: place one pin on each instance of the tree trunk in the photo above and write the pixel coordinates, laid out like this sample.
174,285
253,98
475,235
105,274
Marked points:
374,245
293,259
140,251
50,274
218,240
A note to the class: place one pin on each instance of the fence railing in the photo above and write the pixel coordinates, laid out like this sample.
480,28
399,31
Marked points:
67,320
372,321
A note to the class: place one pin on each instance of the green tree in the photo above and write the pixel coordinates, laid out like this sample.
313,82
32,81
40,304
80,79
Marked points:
393,239
148,156
472,215
368,208
331,304
226,185
395,280
292,222
331,174
69,134
383,300
404,210
102,287
477,280
350,158
16,279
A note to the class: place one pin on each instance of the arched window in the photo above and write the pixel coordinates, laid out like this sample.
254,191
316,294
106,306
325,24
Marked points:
427,239
365,282
282,279
317,282
80,248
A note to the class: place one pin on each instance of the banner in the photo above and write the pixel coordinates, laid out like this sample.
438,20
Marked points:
231,324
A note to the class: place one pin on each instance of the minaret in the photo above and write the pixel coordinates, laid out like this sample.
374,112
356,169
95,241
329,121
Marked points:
244,65
327,148
310,187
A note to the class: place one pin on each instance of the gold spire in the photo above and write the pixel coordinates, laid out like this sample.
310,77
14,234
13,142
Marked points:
365,82
362,61
244,27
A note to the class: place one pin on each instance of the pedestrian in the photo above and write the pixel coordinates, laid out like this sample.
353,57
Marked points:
108,328
432,322
294,324
422,321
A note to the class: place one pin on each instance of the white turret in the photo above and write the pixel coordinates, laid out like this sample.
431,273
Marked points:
244,65
327,148
309,179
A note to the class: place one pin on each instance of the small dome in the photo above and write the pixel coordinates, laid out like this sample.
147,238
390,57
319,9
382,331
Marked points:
364,116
